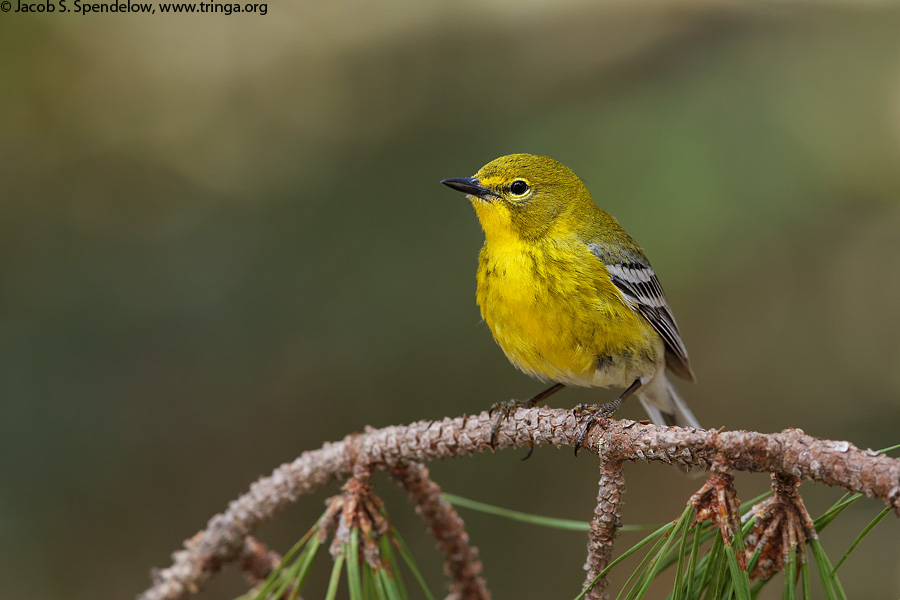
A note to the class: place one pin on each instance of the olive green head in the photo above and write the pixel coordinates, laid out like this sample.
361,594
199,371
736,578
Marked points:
525,196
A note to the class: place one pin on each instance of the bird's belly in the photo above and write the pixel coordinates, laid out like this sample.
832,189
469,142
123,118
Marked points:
562,322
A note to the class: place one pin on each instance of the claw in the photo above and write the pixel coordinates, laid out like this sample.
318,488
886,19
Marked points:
584,431
503,410
600,411
506,408
530,451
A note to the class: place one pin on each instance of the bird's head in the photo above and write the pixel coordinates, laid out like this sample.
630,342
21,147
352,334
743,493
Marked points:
523,196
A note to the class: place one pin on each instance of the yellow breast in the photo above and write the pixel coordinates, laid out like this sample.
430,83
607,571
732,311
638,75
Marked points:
553,310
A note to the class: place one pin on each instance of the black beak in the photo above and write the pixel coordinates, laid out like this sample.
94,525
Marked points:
470,186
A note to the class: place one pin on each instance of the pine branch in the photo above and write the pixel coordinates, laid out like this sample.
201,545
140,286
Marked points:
790,452
446,526
604,525
256,560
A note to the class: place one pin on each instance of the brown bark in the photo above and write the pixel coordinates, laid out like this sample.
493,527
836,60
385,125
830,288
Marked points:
790,452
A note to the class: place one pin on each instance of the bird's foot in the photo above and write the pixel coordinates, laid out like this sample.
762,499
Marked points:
596,411
503,410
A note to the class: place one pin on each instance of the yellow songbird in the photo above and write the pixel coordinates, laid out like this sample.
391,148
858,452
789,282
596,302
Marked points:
567,294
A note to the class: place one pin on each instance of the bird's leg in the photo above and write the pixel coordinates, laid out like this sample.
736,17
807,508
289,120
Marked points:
545,394
602,410
504,409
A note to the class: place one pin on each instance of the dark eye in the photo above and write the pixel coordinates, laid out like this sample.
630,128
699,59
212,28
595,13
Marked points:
518,187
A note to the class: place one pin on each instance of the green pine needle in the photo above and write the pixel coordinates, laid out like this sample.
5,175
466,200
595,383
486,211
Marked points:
275,577
368,583
653,536
680,568
804,573
712,575
863,534
335,580
354,577
708,568
845,501
640,567
524,517
889,449
411,563
391,564
790,575
740,578
746,506
654,568
826,573
692,564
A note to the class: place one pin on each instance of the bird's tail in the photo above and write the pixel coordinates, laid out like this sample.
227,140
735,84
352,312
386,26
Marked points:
665,406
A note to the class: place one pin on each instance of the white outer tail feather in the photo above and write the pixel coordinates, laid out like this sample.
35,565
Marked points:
679,414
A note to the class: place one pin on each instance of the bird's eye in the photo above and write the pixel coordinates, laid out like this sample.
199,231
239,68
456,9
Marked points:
518,188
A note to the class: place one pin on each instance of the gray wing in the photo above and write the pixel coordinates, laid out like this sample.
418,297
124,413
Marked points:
636,280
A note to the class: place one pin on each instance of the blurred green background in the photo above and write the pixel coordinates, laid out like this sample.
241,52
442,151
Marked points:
223,242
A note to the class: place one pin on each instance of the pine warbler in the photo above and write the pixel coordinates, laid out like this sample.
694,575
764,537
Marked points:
567,294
